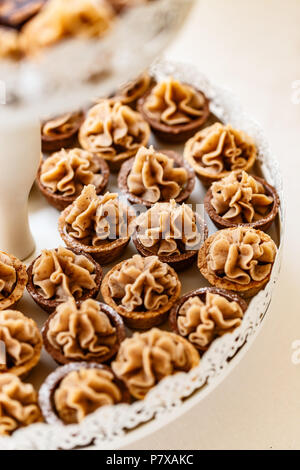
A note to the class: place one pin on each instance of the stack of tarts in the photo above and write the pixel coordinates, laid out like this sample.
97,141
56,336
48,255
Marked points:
110,350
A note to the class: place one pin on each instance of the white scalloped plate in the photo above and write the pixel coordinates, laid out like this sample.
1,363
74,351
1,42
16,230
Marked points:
112,427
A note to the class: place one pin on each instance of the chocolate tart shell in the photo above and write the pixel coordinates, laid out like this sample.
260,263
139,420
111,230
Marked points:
60,358
201,293
245,291
140,320
66,140
262,224
178,262
173,134
49,305
22,278
47,390
103,254
183,196
60,202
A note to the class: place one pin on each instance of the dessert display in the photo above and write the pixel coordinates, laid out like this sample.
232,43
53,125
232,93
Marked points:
90,331
156,176
206,314
219,149
172,232
142,290
146,358
76,390
238,259
22,340
97,225
131,92
61,273
113,131
62,176
174,110
18,404
13,280
61,131
240,198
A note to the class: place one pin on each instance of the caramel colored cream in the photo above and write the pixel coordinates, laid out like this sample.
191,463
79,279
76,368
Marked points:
20,335
67,171
241,256
61,125
133,90
113,131
82,392
220,148
146,358
81,332
168,228
8,276
154,178
174,103
201,322
95,219
61,274
142,284
240,198
18,404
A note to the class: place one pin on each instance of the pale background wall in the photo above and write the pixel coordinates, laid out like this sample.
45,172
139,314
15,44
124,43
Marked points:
253,47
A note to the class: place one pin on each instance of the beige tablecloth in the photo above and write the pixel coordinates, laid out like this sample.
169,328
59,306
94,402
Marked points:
253,47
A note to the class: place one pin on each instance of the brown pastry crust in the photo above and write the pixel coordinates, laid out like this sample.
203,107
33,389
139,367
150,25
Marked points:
20,285
103,254
59,201
47,390
178,133
177,262
201,293
139,320
179,162
245,291
262,224
49,305
68,139
116,321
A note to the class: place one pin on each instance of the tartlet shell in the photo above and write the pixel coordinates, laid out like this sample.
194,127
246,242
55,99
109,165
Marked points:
59,356
231,296
139,320
53,380
262,224
245,291
22,278
49,305
183,196
60,202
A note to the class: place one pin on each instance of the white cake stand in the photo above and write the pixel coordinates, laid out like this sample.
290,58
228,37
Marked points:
66,78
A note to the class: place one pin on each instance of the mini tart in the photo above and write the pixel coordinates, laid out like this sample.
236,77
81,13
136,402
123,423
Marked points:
76,382
13,280
91,323
246,254
131,92
219,149
114,132
177,163
239,198
214,324
170,246
23,342
50,304
105,250
18,404
61,131
71,170
131,283
146,358
174,110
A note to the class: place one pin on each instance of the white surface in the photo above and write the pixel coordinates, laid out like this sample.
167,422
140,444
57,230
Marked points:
253,48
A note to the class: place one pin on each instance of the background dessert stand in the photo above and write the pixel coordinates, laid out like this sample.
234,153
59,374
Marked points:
111,427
